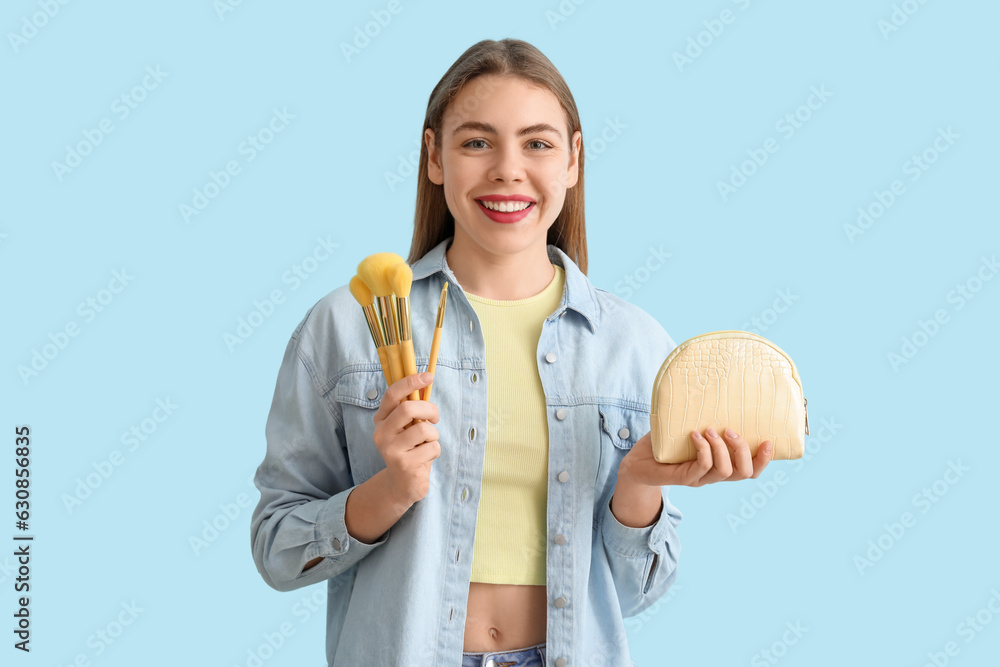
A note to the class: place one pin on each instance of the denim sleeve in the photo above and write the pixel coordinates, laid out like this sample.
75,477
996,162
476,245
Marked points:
304,481
643,560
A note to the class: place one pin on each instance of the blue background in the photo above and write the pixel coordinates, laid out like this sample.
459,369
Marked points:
880,432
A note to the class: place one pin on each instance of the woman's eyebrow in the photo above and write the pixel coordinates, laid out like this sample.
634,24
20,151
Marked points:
488,128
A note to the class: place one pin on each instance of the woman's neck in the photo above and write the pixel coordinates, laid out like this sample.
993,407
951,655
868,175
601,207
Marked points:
503,277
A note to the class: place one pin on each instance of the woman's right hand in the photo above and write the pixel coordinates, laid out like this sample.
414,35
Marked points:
407,448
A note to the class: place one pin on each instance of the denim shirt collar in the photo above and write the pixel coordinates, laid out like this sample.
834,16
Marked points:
578,293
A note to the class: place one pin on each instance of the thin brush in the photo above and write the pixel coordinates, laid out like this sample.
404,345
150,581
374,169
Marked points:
366,299
436,342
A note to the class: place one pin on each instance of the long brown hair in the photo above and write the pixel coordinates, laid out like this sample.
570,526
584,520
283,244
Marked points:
433,222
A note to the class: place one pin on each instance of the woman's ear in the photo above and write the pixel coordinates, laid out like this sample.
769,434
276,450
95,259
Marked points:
435,170
573,170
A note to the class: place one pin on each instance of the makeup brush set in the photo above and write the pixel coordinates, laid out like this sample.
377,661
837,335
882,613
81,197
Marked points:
382,288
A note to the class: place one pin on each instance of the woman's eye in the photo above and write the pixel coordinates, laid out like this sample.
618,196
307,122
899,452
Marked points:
534,144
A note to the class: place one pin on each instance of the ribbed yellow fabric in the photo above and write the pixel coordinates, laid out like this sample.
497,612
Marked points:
511,525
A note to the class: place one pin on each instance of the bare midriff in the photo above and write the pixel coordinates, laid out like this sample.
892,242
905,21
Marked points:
504,617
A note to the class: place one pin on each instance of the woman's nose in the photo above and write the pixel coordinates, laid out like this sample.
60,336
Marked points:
508,164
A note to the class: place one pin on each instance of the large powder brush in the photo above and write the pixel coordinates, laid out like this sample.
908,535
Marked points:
366,299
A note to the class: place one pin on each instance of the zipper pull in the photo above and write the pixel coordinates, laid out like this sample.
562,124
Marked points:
805,404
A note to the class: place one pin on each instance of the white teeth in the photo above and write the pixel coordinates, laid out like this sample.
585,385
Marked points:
506,206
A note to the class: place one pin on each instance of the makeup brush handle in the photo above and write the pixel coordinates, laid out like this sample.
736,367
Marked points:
432,361
399,370
409,365
395,362
383,358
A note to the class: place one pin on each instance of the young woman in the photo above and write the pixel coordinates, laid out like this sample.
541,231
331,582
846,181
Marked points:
524,517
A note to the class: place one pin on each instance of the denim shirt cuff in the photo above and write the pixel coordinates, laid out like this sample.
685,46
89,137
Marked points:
635,542
332,539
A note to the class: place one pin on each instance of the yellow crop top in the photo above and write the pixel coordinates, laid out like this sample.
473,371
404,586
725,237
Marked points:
511,525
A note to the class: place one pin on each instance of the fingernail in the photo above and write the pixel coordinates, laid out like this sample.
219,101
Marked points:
767,447
711,432
696,434
731,433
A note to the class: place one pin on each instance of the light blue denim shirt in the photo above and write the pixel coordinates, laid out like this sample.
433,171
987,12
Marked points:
402,600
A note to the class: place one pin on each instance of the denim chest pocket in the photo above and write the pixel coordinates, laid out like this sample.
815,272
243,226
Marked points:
620,428
623,426
360,394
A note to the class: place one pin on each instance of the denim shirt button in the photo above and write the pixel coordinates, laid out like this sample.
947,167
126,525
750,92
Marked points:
372,393
336,544
561,662
550,357
560,539
623,433
560,602
561,414
563,476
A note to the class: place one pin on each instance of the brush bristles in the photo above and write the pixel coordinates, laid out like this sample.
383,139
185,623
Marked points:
401,279
373,271
361,293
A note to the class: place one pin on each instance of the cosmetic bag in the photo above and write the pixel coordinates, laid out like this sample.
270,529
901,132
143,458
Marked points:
727,379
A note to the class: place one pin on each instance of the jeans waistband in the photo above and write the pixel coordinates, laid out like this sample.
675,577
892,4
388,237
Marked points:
531,656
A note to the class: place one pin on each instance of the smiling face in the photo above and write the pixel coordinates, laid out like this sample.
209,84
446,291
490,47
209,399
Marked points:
505,163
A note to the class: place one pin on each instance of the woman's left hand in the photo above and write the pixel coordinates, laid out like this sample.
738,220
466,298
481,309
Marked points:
720,458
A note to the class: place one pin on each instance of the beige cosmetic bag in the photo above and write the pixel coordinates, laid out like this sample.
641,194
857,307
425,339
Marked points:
727,379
